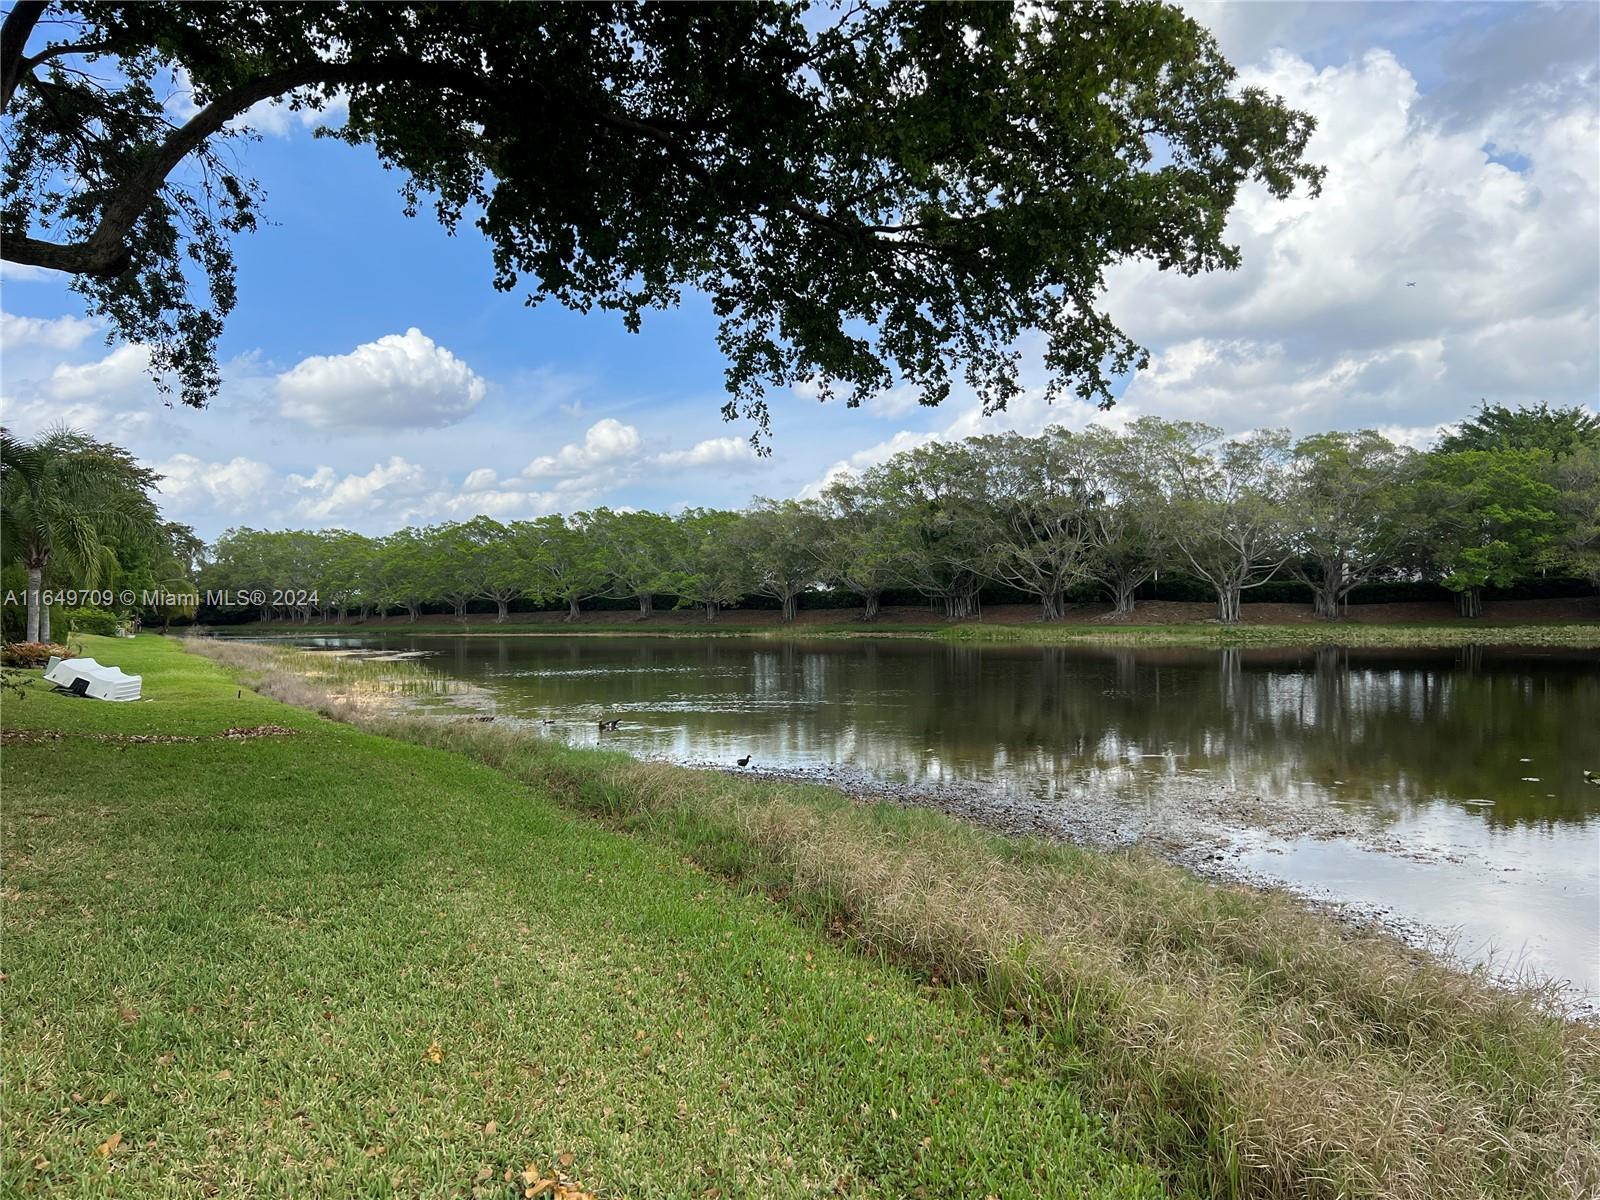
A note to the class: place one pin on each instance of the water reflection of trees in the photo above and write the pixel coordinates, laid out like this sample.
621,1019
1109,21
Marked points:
1391,727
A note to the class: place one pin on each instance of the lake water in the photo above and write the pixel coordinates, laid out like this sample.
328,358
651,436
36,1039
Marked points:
1440,789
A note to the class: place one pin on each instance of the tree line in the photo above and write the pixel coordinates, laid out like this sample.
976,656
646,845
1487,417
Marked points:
1508,496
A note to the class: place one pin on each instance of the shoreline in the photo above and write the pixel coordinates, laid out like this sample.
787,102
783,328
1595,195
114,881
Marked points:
1213,823
1575,635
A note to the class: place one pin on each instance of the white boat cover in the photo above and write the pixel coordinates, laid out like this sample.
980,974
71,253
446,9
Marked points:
101,682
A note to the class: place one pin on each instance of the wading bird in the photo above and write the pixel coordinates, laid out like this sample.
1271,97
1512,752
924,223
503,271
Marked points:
745,761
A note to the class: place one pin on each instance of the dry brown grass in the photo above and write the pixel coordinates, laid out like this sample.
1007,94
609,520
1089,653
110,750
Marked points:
1246,1045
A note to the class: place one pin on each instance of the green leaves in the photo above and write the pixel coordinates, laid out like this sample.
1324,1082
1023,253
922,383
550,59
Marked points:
876,194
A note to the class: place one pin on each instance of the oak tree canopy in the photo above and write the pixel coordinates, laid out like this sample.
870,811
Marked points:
868,193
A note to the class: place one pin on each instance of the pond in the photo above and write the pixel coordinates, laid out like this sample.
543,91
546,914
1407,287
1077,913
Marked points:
1439,790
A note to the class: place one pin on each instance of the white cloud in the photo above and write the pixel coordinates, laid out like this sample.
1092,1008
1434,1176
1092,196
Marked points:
395,489
1424,277
276,119
607,443
722,451
233,486
480,480
401,381
12,272
862,460
121,374
52,333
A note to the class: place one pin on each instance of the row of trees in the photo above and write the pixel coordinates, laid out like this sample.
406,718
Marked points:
1509,495
78,514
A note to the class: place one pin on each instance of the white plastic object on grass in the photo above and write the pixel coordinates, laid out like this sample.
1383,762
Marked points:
99,682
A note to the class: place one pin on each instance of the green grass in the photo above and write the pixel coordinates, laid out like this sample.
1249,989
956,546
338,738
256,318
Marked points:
1244,1045
236,955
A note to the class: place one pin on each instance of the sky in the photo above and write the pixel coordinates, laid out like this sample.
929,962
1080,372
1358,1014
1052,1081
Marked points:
373,378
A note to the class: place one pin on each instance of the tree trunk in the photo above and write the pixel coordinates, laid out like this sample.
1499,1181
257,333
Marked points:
35,600
572,609
1050,606
869,609
711,610
44,618
647,603
1122,596
366,611
411,612
1228,603
1470,602
961,605
790,604
501,609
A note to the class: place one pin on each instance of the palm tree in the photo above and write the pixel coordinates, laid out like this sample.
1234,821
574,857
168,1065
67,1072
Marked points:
61,497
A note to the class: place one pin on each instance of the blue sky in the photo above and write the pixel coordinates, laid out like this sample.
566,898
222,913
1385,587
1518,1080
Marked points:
1462,147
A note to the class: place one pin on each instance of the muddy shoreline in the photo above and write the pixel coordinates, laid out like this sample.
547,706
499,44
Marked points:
1200,826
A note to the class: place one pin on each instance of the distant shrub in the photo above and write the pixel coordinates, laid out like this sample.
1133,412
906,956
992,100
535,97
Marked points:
31,654
87,620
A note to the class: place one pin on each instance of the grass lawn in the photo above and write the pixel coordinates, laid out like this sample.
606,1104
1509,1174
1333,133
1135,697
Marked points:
323,962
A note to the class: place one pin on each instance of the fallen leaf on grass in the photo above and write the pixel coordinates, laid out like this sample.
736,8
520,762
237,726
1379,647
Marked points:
490,1129
435,1052
105,1148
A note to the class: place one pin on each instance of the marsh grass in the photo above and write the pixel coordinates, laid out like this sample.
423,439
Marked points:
1245,1045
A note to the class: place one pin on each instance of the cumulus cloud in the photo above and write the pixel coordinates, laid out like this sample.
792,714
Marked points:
50,333
401,381
607,443
234,486
722,451
395,489
1427,274
119,374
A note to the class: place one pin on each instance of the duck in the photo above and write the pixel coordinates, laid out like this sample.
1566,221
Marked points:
1592,777
745,761
614,723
